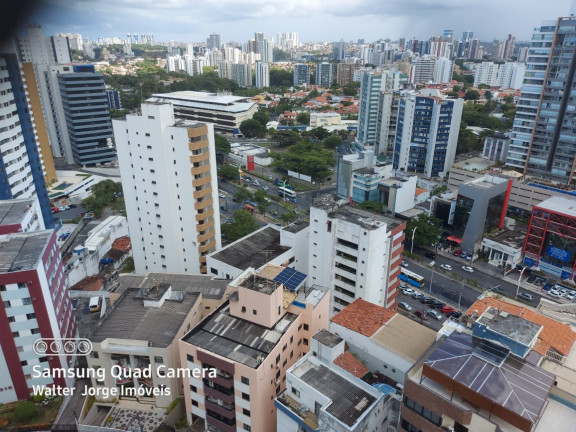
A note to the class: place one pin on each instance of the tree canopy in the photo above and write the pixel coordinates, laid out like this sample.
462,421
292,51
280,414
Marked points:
372,206
243,223
229,172
306,158
262,116
222,143
427,229
281,78
303,118
472,95
103,194
242,194
252,128
286,137
261,198
332,141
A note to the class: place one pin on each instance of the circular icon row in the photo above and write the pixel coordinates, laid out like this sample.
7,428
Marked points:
71,346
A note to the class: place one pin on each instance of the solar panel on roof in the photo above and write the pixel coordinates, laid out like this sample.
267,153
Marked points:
490,352
291,278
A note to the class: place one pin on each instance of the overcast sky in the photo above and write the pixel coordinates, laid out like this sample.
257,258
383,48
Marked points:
313,20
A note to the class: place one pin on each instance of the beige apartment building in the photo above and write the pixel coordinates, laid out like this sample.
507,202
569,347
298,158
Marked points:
252,339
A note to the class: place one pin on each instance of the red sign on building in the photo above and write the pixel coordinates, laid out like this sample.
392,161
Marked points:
250,163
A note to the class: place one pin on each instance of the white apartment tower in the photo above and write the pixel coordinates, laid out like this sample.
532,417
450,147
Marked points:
486,73
443,68
168,170
262,75
356,252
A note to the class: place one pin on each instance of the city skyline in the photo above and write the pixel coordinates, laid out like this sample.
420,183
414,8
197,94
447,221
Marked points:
349,20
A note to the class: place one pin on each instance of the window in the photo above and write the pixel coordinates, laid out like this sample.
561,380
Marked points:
195,403
278,359
243,308
254,312
246,396
246,412
245,380
26,301
94,354
284,347
158,359
424,412
305,341
296,392
305,327
190,358
247,427
193,388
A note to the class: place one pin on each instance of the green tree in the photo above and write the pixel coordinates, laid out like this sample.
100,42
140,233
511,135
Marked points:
303,118
488,95
483,86
114,113
222,144
243,223
242,194
288,217
252,128
332,141
103,194
286,138
128,266
372,206
261,198
262,116
229,172
456,88
307,158
319,133
438,190
281,78
24,410
508,99
427,229
472,95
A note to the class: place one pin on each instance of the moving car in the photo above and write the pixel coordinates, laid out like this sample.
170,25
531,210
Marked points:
265,188
434,314
405,306
446,266
468,269
526,296
404,264
430,255
221,195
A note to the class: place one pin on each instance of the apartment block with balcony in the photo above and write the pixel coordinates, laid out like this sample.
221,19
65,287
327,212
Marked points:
252,340
355,251
168,170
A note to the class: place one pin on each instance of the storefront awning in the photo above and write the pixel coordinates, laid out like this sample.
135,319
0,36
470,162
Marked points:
455,239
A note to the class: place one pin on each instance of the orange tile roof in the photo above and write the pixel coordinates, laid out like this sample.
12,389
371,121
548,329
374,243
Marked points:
122,243
90,283
363,317
351,364
420,191
554,334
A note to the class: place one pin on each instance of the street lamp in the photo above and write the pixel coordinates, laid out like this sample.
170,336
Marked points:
432,276
519,279
413,232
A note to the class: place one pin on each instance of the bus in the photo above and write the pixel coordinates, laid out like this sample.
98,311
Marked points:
285,192
95,303
412,278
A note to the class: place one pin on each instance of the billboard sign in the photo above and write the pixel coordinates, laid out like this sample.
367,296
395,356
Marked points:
559,254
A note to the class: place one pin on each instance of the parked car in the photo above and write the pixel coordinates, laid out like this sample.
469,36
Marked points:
468,269
446,266
447,310
403,285
408,291
72,205
405,306
426,300
64,208
229,220
457,252
417,295
571,295
526,296
434,314
404,264
455,314
464,254
55,209
531,278
430,255
554,294
221,195
421,314
547,287
265,188
437,304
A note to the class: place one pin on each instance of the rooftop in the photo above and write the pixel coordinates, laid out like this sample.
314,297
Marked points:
363,317
332,385
130,319
405,337
260,284
511,326
351,364
205,100
327,338
12,211
516,385
554,334
22,251
560,204
236,339
247,252
297,226
196,284
510,238
476,163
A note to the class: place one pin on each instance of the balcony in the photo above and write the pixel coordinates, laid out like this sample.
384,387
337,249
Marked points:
200,169
225,410
207,236
198,145
217,394
199,157
205,215
202,193
207,247
202,181
307,419
205,203
220,424
204,226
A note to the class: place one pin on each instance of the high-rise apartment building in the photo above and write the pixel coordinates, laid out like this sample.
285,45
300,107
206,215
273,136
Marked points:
39,49
345,72
301,74
486,73
85,106
214,42
443,68
427,134
262,74
422,70
371,84
543,139
35,304
242,74
511,75
356,252
22,174
168,170
324,74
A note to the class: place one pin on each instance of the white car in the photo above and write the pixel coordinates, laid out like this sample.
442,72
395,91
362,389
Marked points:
265,188
64,208
434,314
408,291
468,269
571,295
446,266
405,306
554,294
221,195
